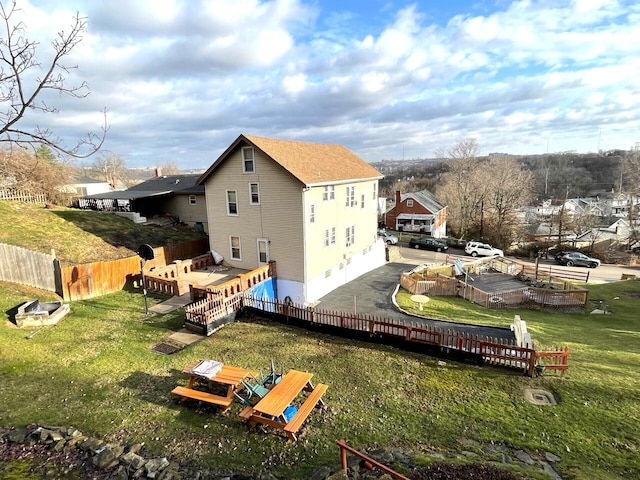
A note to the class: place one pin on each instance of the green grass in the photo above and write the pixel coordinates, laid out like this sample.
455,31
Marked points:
82,236
95,371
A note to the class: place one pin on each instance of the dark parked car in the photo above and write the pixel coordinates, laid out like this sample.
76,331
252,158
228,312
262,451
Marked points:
427,243
579,259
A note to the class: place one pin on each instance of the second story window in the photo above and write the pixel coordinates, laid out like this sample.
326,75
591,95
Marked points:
254,194
248,163
329,193
192,200
232,202
375,191
351,197
409,203
362,201
312,213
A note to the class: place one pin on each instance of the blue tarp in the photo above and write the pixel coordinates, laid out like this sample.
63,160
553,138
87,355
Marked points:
265,290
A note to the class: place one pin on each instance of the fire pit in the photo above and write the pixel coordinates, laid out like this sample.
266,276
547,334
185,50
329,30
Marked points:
39,314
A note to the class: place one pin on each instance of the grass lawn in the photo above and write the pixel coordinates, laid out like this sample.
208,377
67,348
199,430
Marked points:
82,236
95,371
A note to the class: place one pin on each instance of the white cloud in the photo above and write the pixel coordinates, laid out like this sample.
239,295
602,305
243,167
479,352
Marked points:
190,76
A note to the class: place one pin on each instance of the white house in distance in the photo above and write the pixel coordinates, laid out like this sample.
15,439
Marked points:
312,208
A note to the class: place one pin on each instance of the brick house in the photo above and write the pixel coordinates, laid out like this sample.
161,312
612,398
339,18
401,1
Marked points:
418,212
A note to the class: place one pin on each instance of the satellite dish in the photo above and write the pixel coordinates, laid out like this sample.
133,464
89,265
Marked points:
146,252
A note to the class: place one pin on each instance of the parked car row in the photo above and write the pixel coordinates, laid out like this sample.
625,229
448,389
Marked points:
427,243
481,249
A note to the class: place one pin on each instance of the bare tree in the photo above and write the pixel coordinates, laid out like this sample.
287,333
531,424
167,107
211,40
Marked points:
36,173
109,167
460,190
507,188
631,176
21,87
169,168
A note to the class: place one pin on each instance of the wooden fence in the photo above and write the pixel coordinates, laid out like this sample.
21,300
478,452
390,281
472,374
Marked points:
493,351
556,293
99,278
215,302
20,265
22,196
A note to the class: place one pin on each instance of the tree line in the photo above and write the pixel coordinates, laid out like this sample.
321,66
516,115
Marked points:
483,194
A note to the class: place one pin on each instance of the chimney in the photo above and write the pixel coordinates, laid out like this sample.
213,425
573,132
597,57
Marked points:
158,172
397,197
115,183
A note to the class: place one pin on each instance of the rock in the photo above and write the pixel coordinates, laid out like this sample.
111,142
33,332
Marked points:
339,475
468,443
134,460
504,458
107,456
73,432
468,454
60,444
75,440
548,469
18,435
154,466
489,450
524,457
91,445
401,457
382,456
136,447
320,473
550,457
121,474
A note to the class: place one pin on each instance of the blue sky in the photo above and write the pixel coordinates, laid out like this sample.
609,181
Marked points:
389,80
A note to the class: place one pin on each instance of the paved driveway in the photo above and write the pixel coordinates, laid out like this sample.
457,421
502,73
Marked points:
371,293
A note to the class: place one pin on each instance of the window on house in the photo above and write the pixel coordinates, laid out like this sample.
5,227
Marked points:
327,274
362,201
330,236
248,165
234,246
350,235
232,202
329,193
351,197
254,194
312,213
192,200
409,203
375,191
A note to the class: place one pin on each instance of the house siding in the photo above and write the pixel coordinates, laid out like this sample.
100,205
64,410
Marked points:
278,217
179,206
330,267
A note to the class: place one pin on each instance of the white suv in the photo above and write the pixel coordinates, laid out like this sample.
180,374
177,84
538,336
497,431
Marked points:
482,249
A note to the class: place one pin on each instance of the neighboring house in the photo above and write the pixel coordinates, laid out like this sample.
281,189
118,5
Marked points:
418,212
545,232
83,186
618,232
176,196
311,208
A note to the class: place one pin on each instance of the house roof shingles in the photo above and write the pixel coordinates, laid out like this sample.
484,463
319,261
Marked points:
310,163
157,186
426,199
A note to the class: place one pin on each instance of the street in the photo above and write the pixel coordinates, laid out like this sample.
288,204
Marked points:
604,273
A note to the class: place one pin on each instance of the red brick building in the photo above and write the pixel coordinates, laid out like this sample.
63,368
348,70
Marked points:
418,212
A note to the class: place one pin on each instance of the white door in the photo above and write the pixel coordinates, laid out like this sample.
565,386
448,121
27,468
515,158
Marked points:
263,251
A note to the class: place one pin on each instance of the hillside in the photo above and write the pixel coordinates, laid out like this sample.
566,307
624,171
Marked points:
82,236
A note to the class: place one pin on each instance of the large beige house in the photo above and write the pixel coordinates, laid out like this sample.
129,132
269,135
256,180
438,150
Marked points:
312,208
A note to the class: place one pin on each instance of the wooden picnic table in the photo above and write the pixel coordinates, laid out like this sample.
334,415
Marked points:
229,376
270,409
